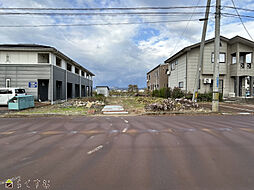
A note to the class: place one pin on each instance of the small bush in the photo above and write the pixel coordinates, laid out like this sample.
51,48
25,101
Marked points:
177,93
155,93
162,93
208,97
188,96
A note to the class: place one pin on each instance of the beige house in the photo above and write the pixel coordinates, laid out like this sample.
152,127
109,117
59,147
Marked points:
236,67
157,78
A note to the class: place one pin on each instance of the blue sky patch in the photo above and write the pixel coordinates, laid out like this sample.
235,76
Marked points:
145,33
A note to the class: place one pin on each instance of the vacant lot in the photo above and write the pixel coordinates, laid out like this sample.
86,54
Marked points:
134,106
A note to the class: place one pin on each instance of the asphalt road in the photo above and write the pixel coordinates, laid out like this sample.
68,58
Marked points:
128,153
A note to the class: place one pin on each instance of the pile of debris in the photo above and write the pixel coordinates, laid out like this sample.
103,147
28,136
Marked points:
172,105
79,103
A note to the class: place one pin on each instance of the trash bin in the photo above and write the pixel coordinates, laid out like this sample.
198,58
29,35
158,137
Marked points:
21,102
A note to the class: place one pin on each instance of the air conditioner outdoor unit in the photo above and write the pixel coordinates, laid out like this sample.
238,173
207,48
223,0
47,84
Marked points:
207,81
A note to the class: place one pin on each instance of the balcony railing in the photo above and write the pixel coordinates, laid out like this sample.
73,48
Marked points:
245,65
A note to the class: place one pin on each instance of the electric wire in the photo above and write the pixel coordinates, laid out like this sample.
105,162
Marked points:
92,24
177,42
102,9
241,20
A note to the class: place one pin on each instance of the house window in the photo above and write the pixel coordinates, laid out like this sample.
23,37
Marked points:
176,62
43,57
173,66
222,57
58,62
248,57
233,58
69,67
180,84
82,73
76,70
8,83
248,60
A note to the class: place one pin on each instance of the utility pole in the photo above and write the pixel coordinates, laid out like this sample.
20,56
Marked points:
216,75
201,52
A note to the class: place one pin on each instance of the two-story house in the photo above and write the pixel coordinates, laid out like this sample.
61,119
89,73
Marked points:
236,67
157,77
44,72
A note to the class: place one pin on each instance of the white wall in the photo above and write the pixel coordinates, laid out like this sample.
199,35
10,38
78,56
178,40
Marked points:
179,74
19,57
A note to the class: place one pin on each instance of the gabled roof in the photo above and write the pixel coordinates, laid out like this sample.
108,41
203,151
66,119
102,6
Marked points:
41,48
188,48
236,39
156,67
241,40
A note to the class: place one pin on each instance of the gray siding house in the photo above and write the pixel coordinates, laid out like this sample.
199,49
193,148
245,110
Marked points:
236,67
44,72
157,77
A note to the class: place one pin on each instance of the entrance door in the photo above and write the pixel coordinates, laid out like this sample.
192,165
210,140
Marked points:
58,90
43,87
69,90
77,90
83,91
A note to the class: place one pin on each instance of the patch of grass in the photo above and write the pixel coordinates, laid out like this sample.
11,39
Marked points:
132,104
56,109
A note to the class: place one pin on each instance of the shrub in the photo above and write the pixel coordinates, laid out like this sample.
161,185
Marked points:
208,97
163,93
155,93
177,93
188,96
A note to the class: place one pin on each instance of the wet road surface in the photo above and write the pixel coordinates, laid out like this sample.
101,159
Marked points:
128,153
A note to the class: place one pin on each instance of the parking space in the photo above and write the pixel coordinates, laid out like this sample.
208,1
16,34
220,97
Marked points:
232,107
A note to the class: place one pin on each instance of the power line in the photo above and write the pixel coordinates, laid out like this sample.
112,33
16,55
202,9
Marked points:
90,24
236,15
185,28
239,8
103,9
100,14
241,20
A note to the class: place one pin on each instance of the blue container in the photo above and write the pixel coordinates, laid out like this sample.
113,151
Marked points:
21,102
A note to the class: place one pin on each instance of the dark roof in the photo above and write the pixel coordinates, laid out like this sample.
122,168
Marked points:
156,67
23,46
37,47
230,41
188,48
102,87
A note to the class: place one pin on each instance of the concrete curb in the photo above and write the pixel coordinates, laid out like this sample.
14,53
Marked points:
117,115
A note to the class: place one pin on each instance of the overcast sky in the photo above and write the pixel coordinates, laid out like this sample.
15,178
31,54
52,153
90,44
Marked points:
118,54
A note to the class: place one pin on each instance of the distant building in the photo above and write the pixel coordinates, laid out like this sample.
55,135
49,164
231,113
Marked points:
236,67
104,90
157,78
44,72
